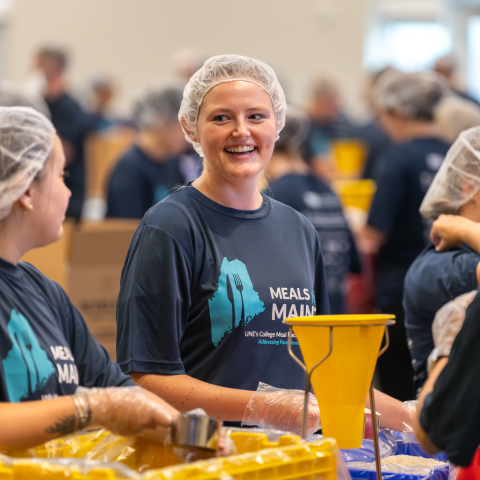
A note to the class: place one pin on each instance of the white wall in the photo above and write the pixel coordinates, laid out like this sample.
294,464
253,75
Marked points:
135,38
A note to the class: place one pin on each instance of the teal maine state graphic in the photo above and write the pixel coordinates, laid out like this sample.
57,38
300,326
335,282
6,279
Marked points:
235,303
27,367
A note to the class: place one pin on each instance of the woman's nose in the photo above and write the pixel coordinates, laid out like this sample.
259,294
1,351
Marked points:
241,129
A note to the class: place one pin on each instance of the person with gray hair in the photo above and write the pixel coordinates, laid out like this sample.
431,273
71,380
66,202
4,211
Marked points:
439,275
47,351
406,103
152,168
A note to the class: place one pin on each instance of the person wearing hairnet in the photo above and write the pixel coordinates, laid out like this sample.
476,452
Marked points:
293,183
406,102
152,168
436,277
46,349
448,415
215,268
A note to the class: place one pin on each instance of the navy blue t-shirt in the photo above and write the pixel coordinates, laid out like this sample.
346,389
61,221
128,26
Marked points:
46,349
139,182
450,415
310,196
73,124
205,289
434,279
407,171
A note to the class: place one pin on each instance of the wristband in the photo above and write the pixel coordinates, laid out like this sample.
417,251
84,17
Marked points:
84,412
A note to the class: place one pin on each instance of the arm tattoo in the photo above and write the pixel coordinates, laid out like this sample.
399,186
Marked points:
63,426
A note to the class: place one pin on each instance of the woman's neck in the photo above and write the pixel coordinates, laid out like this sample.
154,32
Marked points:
12,248
240,194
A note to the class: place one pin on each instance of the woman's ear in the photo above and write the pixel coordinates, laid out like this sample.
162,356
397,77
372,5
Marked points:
25,200
192,136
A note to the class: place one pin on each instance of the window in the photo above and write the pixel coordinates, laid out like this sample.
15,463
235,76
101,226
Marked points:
408,46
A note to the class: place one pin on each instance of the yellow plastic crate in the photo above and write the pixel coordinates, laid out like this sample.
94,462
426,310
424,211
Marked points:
349,155
355,193
288,459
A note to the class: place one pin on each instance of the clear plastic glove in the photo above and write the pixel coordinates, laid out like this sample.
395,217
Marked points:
282,409
409,412
125,411
446,325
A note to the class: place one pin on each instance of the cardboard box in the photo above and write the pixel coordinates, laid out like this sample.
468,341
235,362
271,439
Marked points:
87,262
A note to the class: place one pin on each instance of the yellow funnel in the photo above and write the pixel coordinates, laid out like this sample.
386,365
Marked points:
342,381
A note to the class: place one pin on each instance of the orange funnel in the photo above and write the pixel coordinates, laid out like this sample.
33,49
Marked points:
342,381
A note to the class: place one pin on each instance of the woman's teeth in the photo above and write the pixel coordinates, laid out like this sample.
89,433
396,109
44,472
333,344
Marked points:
240,149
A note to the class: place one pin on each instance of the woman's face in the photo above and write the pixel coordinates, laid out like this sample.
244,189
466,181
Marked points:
49,197
236,129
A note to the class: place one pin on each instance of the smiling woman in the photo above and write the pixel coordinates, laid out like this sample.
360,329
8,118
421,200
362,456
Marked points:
203,270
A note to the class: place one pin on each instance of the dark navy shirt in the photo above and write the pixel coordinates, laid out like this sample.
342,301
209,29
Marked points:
310,196
46,349
205,289
407,172
139,182
73,124
434,279
450,415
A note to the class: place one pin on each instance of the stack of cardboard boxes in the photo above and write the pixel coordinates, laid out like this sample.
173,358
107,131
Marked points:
87,262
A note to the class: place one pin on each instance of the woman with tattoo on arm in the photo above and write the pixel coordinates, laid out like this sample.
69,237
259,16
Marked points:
45,346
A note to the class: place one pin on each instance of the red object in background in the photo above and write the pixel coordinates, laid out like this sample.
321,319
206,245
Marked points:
473,471
360,296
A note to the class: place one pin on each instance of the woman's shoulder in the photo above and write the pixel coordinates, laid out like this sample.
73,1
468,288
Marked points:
48,286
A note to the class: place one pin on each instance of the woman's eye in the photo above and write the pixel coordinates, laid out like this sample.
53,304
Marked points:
256,116
220,118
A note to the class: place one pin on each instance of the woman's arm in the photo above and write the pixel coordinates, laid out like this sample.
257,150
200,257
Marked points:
27,424
449,231
186,393
420,433
392,413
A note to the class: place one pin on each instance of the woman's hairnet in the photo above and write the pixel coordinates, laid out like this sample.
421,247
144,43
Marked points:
228,68
295,130
457,180
26,139
158,105
412,95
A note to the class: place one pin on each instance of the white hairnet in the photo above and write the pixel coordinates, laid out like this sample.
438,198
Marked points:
159,103
26,139
228,68
413,95
457,180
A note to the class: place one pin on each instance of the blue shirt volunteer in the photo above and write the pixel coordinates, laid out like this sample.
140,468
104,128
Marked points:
205,289
434,279
310,196
407,172
46,349
138,182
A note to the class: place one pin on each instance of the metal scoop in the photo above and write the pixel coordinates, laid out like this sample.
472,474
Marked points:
195,431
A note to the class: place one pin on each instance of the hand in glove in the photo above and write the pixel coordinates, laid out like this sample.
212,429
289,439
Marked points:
446,325
125,411
271,407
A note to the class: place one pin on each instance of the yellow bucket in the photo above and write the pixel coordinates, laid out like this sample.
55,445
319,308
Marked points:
342,381
349,155
355,193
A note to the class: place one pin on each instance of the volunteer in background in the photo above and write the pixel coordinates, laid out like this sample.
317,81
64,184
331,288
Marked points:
70,121
45,346
448,415
293,183
214,268
152,168
406,104
435,278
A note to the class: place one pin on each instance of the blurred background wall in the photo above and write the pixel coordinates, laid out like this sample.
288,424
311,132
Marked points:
135,40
